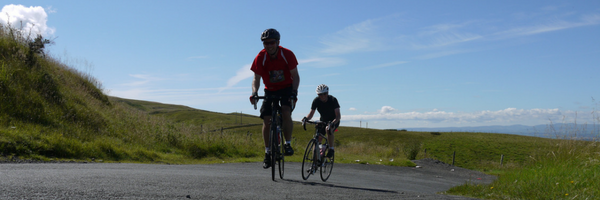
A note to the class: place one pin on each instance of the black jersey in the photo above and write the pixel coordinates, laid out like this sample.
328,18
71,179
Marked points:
326,109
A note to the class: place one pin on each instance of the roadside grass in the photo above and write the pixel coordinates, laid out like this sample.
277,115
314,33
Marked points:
571,170
562,168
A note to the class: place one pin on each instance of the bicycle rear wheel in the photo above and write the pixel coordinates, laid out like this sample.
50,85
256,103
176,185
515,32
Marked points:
327,166
309,160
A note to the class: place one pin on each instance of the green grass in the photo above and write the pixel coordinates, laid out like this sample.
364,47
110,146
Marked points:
570,170
50,111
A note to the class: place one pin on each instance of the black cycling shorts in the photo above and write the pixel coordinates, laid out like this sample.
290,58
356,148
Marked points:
333,128
265,109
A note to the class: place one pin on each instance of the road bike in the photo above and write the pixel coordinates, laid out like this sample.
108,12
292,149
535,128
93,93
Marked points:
276,138
314,155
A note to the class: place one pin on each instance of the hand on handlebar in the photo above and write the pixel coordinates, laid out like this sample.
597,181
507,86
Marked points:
304,120
254,99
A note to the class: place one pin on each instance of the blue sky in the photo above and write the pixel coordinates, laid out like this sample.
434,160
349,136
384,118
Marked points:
391,64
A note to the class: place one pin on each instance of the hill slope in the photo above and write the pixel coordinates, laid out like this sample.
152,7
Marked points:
49,110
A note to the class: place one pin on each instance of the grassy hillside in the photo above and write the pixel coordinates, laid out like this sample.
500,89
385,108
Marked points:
50,111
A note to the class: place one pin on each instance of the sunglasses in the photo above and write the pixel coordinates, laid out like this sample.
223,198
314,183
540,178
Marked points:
270,43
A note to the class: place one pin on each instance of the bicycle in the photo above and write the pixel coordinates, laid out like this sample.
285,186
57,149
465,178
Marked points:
314,155
276,138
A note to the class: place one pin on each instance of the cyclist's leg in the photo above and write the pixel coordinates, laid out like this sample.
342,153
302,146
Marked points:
266,128
286,113
330,134
265,114
286,116
331,139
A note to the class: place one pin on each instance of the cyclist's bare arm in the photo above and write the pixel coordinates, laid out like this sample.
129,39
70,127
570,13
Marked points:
295,78
310,114
338,116
256,83
255,86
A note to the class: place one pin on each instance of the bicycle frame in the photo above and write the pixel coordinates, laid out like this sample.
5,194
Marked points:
276,137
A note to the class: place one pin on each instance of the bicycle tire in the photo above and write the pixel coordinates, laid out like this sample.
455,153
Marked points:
309,159
327,167
281,153
274,147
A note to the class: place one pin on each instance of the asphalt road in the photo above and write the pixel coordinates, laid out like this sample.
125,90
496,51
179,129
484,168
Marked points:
228,181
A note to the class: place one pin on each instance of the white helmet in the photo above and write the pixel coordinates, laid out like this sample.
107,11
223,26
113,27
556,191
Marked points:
322,89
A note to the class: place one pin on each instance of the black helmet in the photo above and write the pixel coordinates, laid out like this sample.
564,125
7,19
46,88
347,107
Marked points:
270,34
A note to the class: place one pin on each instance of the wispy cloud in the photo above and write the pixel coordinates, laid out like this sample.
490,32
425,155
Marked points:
354,38
446,39
145,79
197,57
388,113
242,74
322,62
554,25
441,35
386,65
50,9
440,54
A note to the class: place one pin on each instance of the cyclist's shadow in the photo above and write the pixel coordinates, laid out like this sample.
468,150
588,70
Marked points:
339,186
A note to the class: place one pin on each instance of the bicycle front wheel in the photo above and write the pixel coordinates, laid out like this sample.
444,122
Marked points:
281,152
327,167
309,160
274,151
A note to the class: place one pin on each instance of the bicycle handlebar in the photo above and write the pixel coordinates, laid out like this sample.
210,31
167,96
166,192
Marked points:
276,97
312,122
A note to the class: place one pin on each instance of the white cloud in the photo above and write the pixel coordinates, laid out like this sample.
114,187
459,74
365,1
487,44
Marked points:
31,20
242,74
352,109
386,110
509,115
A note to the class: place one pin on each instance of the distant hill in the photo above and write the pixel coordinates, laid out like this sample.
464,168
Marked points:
560,130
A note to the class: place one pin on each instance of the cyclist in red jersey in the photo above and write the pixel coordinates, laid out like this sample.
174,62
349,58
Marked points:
276,66
329,109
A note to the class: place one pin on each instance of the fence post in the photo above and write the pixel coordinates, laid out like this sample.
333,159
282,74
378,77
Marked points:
453,157
501,159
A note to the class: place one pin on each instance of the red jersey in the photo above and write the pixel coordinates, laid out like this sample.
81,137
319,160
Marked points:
275,72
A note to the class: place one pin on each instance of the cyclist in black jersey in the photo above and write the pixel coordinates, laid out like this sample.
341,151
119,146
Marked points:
329,109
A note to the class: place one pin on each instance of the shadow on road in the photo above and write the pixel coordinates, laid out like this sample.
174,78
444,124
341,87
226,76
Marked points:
339,186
